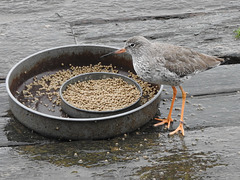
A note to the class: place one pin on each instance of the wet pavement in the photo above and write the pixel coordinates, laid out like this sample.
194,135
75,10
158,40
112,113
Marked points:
210,148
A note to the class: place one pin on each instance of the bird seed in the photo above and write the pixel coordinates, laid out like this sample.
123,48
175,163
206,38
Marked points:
101,95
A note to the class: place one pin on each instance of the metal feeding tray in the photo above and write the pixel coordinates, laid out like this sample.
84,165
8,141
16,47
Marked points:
45,118
73,111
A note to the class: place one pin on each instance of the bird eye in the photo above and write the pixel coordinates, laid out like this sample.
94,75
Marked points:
132,44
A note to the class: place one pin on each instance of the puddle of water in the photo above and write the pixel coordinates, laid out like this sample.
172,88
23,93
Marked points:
143,154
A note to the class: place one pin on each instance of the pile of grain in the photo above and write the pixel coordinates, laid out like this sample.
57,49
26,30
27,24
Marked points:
46,88
101,95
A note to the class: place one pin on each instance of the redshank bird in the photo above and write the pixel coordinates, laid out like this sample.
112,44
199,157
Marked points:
167,64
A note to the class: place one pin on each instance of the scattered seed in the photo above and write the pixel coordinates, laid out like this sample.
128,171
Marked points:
200,108
145,157
49,85
177,109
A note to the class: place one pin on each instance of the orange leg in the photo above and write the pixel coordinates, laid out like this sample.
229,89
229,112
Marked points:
180,127
169,118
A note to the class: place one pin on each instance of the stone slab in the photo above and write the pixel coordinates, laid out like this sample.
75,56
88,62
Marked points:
217,110
147,152
204,26
212,153
198,25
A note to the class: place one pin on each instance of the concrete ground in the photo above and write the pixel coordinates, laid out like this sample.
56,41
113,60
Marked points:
210,148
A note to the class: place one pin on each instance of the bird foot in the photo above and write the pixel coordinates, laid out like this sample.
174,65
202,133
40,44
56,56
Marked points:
164,121
179,128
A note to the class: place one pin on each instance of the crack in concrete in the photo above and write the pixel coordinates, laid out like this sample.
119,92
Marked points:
73,33
231,59
220,93
138,18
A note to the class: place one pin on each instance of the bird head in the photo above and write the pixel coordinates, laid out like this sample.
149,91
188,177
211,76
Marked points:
134,46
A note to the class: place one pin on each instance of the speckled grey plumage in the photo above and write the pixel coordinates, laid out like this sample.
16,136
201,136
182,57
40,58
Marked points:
167,64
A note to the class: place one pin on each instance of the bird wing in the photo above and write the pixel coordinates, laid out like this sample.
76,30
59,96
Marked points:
184,61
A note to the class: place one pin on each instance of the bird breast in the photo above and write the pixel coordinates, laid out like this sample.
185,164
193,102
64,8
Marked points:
153,72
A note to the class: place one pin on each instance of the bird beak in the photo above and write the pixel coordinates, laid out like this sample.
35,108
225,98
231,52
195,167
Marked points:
123,50
114,52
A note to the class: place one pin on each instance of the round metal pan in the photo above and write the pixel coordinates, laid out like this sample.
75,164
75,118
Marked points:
56,124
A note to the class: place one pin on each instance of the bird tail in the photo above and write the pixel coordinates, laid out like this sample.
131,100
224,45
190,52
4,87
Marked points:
212,61
221,60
